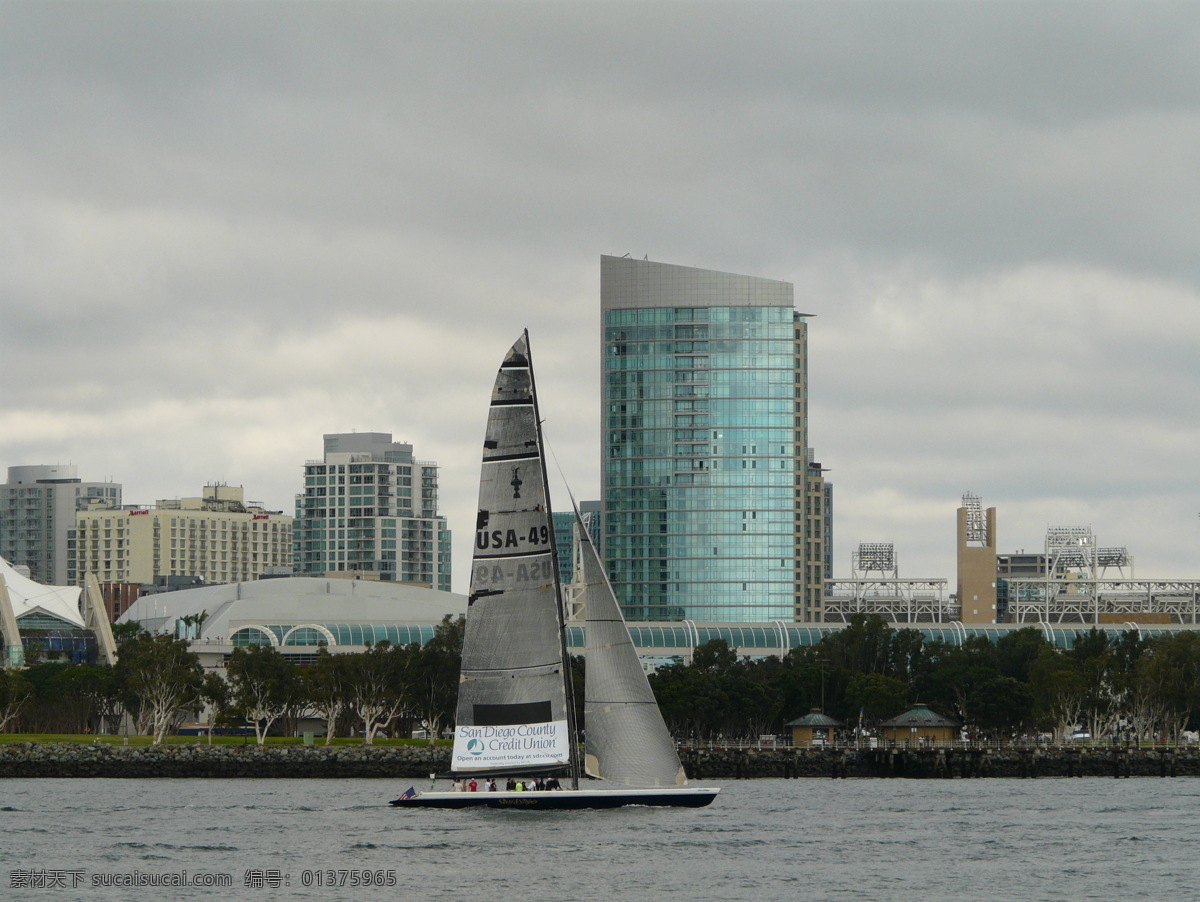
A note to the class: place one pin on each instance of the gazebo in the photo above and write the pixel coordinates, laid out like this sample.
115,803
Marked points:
814,728
920,725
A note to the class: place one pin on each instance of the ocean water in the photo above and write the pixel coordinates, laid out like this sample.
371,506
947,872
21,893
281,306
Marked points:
879,839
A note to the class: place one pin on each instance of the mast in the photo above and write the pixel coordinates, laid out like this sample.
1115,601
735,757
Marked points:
560,610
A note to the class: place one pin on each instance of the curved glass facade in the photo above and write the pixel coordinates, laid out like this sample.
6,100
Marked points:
250,635
757,640
307,635
700,443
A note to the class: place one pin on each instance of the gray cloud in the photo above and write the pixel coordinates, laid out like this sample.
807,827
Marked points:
231,227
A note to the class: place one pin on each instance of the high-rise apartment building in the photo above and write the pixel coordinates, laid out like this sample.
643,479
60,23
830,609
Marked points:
38,506
710,508
217,538
370,510
818,544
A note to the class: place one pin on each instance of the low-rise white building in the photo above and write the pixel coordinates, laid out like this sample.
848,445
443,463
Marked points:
296,615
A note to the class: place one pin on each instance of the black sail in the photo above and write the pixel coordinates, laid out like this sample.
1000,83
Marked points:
513,712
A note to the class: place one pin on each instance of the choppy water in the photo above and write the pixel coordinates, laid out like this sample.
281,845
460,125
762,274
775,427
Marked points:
1079,839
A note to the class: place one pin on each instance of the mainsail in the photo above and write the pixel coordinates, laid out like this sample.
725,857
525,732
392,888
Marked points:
627,740
513,708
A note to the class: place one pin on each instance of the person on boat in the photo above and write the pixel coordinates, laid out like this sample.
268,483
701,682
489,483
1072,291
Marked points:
552,783
511,785
473,786
491,784
520,786
458,785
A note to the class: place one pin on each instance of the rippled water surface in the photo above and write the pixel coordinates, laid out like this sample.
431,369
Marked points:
1079,839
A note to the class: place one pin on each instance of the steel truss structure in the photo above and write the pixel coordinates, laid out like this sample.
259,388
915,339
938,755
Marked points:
874,557
1072,599
895,600
875,587
976,519
1074,548
1075,586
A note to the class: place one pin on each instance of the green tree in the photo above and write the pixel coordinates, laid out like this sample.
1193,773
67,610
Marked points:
1171,674
952,681
863,646
435,680
1057,684
87,696
803,684
160,678
380,685
69,698
15,693
191,624
714,656
907,658
215,692
1017,651
750,708
264,685
45,710
1103,689
692,701
878,697
126,630
325,688
1001,706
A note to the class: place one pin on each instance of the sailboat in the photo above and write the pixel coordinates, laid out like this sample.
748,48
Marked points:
516,711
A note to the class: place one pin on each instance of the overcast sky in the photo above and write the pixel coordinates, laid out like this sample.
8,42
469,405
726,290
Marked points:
229,228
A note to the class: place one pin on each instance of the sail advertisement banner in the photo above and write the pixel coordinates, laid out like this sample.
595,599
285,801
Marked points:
509,746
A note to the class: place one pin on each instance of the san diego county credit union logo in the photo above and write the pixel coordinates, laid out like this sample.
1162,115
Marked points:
475,747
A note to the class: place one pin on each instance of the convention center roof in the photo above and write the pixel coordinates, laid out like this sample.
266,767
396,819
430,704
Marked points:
273,607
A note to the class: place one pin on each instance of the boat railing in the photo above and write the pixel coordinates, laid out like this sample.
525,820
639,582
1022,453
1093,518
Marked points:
870,743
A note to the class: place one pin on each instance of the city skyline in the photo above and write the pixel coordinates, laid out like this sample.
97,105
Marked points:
232,229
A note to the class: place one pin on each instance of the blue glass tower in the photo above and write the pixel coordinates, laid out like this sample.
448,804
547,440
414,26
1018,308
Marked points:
705,444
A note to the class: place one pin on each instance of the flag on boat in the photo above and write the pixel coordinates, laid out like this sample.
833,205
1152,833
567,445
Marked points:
409,793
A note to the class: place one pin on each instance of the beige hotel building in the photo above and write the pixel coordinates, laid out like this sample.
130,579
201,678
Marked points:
217,537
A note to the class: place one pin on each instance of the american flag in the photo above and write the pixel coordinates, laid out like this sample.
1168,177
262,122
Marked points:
409,793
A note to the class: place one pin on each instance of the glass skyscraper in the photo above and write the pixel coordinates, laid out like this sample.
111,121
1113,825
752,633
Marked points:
705,494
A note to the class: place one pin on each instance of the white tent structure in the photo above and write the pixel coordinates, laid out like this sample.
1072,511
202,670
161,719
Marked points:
25,604
26,597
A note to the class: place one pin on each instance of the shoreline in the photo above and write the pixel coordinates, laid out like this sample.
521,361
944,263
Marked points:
69,760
